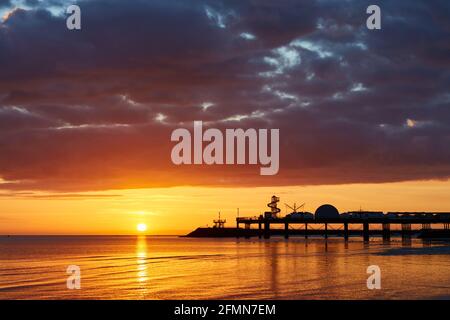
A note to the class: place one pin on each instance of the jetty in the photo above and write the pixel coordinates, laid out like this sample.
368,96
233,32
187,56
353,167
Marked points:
327,221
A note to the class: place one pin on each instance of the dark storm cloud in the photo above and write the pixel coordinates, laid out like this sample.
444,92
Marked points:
94,109
5,3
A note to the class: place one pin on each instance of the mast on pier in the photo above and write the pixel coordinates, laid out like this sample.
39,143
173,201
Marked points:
219,223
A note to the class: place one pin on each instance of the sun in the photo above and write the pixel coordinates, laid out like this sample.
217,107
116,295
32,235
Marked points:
141,227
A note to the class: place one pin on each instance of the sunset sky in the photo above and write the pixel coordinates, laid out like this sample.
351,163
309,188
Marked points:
86,116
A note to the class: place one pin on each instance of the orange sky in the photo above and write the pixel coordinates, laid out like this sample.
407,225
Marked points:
85,137
181,209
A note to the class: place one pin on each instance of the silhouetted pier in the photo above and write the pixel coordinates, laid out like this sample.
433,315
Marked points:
365,220
327,214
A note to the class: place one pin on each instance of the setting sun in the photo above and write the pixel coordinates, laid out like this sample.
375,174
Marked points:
141,227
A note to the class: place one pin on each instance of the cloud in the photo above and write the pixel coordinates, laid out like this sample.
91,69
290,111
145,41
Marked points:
94,109
5,3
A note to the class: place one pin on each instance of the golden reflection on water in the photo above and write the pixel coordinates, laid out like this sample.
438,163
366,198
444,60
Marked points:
141,259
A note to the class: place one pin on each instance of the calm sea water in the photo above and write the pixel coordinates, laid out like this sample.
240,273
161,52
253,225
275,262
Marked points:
181,268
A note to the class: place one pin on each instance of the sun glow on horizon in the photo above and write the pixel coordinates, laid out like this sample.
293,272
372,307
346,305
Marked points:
141,227
179,210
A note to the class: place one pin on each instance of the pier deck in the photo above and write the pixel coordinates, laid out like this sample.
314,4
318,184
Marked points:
405,219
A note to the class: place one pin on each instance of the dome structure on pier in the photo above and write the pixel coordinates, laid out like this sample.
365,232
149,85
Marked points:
327,211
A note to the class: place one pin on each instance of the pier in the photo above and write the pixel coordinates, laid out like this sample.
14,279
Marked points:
265,231
327,215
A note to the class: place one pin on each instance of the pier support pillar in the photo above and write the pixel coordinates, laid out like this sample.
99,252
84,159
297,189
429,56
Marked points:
346,231
286,230
266,230
386,231
366,231
237,227
259,230
326,231
406,230
306,231
247,231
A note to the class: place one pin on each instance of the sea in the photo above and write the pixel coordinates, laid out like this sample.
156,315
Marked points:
172,267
